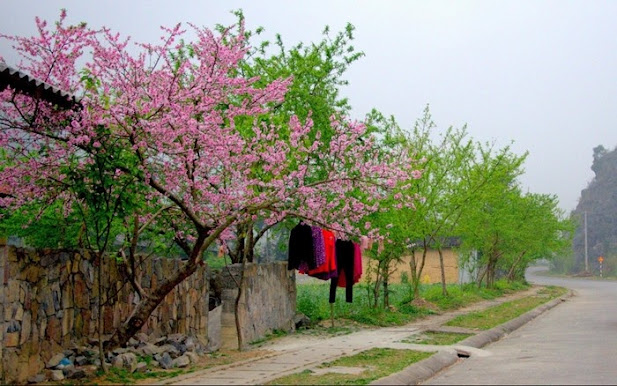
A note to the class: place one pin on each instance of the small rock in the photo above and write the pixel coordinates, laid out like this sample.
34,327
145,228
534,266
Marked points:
160,341
190,344
140,336
81,360
133,342
90,368
301,321
37,378
192,356
149,349
142,367
76,374
181,361
171,350
57,375
68,353
55,360
127,361
120,350
178,338
66,369
117,362
165,361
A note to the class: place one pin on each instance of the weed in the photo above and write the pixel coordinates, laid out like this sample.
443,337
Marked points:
436,337
379,361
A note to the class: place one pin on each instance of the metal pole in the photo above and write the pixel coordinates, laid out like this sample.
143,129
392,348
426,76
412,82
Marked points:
586,255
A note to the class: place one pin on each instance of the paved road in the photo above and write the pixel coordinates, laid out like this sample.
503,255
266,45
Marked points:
574,343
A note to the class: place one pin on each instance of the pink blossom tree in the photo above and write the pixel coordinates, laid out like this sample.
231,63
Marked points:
158,130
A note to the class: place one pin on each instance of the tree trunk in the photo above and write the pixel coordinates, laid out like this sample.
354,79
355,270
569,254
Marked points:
481,277
146,306
237,306
444,289
101,321
386,294
417,269
512,270
378,280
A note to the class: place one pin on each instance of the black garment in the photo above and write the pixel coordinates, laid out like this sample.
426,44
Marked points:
344,266
301,247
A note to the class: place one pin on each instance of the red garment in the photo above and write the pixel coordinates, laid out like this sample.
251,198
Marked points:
357,267
327,269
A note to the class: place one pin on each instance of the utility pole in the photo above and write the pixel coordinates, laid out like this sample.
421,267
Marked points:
586,255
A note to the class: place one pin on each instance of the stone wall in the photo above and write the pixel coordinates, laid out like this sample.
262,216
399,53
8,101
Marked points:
268,302
49,302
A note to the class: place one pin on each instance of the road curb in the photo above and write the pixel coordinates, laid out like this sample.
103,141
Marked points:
494,334
428,367
420,371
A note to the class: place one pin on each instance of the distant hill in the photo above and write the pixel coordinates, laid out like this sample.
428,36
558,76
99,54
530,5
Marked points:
599,200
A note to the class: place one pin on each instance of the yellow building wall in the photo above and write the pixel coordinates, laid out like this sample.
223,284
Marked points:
430,274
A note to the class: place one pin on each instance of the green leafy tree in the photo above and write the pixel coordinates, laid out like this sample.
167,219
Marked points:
316,74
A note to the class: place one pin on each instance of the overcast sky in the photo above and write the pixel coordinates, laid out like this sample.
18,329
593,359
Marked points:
542,74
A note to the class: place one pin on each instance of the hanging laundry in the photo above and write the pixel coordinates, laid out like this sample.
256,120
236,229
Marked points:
301,247
328,269
319,247
345,264
357,267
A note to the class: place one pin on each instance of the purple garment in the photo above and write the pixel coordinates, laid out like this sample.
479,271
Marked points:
325,275
303,267
319,248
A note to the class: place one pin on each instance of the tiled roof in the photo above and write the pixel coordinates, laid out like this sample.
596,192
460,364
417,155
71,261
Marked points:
28,85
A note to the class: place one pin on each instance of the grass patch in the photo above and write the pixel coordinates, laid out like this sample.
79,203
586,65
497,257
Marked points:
124,377
274,334
378,362
494,316
312,300
437,338
156,374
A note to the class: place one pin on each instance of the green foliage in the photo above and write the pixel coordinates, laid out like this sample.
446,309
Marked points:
42,226
508,228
